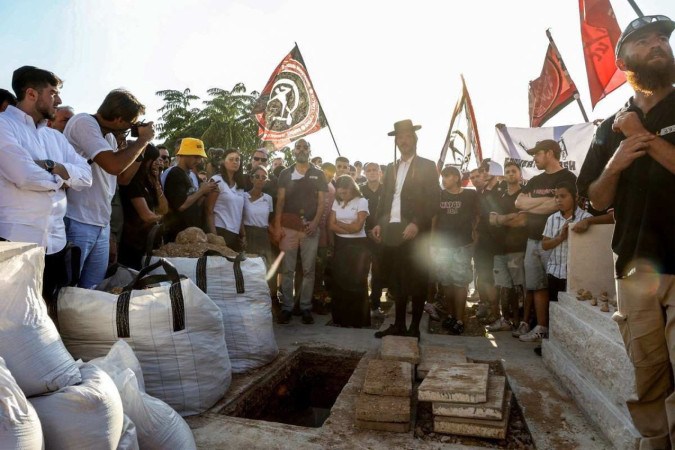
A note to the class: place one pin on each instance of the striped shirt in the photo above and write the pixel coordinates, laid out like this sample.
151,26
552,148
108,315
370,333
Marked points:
557,260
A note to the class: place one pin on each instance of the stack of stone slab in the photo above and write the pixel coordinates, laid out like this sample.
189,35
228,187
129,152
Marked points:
431,355
385,401
466,400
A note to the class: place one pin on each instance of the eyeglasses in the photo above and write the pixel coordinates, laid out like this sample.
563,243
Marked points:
260,177
165,157
257,158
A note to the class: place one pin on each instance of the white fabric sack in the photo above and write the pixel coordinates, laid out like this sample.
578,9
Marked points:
86,416
158,426
239,288
175,330
19,423
29,342
116,276
129,439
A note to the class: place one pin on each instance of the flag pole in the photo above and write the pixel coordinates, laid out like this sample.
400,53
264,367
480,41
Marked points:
636,8
567,75
319,101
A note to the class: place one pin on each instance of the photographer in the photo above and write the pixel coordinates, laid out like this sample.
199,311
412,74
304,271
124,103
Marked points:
94,138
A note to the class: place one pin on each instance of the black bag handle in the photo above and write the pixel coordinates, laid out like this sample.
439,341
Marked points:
158,228
238,274
175,294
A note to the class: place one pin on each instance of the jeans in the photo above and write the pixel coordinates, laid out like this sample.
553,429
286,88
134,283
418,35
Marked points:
94,242
308,247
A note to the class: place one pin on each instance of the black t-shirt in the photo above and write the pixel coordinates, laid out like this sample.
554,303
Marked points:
509,239
455,216
643,203
135,230
373,198
177,188
301,194
543,185
488,200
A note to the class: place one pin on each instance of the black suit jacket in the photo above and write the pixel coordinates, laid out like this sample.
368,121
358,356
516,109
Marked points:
419,195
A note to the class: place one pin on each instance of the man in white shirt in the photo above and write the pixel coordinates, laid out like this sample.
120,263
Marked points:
37,165
94,138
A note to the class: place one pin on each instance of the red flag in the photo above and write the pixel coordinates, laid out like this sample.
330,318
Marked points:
288,107
462,137
552,91
599,34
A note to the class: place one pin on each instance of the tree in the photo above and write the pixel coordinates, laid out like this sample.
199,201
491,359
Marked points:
179,119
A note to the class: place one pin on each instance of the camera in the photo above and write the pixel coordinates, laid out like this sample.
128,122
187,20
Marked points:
135,126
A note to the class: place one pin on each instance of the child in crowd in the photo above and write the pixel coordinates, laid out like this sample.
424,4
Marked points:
556,233
453,228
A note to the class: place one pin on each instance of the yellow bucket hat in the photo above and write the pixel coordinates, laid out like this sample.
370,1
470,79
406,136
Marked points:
191,147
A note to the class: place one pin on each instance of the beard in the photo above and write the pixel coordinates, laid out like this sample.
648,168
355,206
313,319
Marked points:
647,78
48,112
302,157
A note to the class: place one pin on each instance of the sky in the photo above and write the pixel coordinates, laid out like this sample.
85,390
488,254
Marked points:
372,63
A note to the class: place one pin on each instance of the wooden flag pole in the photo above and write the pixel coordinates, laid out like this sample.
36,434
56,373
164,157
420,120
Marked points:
636,8
567,75
321,107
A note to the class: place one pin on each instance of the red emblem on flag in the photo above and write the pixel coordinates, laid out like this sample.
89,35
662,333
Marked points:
552,91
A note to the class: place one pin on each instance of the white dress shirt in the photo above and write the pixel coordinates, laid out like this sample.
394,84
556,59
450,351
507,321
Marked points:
401,173
32,200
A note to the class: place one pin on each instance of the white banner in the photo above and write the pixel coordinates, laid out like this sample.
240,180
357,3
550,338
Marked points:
511,145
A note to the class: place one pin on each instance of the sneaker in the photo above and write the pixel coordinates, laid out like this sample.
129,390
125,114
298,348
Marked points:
307,318
523,328
440,309
457,328
536,335
377,313
482,311
284,317
449,323
393,330
500,324
431,310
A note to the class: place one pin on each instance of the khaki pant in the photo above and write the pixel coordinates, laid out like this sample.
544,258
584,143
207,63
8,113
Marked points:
646,318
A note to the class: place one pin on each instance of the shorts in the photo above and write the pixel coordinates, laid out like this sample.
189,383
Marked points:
509,269
536,260
453,266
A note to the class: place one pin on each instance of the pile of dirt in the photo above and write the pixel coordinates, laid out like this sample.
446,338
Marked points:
193,243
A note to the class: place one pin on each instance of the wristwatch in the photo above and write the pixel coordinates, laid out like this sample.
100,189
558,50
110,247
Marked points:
49,165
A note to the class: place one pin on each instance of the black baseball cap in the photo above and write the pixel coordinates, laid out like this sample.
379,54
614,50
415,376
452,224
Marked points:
546,144
642,24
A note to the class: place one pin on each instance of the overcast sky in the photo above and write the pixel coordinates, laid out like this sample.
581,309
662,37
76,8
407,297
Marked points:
372,62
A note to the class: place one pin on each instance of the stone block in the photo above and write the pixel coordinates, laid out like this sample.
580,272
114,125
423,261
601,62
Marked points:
460,383
602,322
590,260
393,427
491,429
400,348
614,422
492,409
432,354
382,408
385,377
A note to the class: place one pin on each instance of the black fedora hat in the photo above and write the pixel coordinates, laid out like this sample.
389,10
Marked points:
402,126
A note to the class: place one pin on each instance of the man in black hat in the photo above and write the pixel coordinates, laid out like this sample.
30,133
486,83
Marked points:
404,216
631,166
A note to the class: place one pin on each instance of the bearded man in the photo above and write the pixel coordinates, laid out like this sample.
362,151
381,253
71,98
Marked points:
631,166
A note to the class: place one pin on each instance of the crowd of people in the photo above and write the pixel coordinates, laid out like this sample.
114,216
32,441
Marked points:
341,233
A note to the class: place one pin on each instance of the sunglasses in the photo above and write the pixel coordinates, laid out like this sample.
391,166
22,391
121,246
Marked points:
259,159
646,20
165,157
260,177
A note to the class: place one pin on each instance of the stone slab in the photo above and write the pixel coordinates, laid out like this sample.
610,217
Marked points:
491,429
383,408
614,422
459,383
602,322
433,354
400,348
384,377
492,409
393,427
590,260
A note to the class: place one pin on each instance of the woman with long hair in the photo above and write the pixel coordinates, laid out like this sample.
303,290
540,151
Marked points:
144,204
225,208
258,208
351,258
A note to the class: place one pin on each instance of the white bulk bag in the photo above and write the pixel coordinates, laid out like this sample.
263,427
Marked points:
29,341
85,416
19,423
175,330
238,287
157,425
128,440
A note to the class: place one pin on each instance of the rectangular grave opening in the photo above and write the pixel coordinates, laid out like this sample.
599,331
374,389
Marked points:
301,391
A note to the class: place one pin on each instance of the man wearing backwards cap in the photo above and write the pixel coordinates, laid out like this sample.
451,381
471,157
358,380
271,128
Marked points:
631,166
404,215
185,201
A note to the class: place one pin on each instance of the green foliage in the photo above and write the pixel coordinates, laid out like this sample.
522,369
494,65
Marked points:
224,121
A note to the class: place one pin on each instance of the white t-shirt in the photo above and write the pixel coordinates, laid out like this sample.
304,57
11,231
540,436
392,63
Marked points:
229,208
91,206
350,213
257,213
401,173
